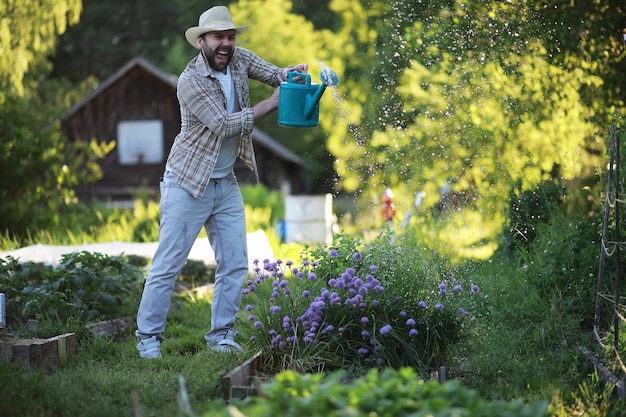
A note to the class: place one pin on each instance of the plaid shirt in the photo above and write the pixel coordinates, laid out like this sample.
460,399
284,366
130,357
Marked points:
205,122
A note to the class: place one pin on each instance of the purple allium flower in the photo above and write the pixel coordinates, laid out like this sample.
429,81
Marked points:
332,282
249,307
413,332
365,320
340,330
332,253
306,293
380,362
256,261
340,284
457,288
410,322
475,288
443,289
275,284
252,338
251,317
357,256
460,310
312,276
373,269
300,274
357,282
439,306
363,351
350,271
287,291
258,325
402,313
375,303
421,304
245,291
385,329
365,333
379,288
283,283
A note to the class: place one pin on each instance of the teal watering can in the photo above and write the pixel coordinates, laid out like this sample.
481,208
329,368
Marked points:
298,103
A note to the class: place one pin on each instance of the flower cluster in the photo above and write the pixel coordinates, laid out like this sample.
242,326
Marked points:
341,310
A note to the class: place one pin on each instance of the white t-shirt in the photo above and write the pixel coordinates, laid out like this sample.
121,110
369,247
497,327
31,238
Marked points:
228,151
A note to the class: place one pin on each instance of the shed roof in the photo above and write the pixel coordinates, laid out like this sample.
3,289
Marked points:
258,136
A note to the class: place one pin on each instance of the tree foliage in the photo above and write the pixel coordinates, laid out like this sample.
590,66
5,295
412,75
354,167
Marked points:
38,169
470,93
28,32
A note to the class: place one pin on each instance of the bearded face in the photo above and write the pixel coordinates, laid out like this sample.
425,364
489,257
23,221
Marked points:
218,48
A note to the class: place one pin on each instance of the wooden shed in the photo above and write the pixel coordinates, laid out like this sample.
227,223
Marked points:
137,107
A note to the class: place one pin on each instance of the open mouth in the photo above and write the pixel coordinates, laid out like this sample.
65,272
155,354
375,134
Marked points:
221,56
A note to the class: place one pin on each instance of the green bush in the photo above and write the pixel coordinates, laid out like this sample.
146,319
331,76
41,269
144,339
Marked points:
356,307
85,286
197,273
390,393
258,196
528,209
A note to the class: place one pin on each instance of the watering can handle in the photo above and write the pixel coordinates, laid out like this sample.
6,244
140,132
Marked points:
291,75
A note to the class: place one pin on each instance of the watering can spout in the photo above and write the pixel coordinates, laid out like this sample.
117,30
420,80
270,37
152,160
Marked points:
329,78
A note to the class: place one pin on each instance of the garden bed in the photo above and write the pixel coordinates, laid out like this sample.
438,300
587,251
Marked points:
244,380
46,354
36,353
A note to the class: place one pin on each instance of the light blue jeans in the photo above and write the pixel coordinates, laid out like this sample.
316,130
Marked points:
221,212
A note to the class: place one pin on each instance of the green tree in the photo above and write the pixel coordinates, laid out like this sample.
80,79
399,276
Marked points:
459,91
28,32
111,33
38,168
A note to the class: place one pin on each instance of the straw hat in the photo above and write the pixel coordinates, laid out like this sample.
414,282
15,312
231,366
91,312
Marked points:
217,18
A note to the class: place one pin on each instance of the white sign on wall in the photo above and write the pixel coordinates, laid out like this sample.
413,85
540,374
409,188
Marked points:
140,142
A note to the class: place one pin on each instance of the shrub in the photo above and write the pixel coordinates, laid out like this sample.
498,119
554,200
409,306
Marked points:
392,393
85,286
342,309
528,209
197,272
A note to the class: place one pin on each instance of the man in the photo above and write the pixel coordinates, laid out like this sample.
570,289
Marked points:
199,188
